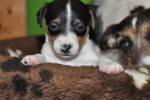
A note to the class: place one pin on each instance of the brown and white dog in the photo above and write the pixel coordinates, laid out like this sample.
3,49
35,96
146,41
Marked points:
131,37
110,12
69,41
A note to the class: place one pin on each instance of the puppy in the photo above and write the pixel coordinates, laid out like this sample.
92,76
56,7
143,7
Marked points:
110,12
68,25
131,37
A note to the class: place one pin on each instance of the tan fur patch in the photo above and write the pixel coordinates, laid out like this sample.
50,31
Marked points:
129,32
76,21
51,38
143,29
93,19
140,44
82,39
144,42
58,21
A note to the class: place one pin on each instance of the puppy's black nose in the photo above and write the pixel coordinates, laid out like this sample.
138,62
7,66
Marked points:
66,48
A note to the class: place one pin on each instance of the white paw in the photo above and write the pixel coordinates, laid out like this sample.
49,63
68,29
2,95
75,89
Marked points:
32,60
110,67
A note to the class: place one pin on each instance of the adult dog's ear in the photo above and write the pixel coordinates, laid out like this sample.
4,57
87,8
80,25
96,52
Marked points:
109,38
41,14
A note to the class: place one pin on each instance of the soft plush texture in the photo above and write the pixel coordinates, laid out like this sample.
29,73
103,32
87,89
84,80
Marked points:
58,82
27,45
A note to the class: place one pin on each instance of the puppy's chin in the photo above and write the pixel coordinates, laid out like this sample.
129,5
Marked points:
66,57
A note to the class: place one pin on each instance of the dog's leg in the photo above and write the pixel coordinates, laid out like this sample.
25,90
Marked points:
109,67
105,65
33,60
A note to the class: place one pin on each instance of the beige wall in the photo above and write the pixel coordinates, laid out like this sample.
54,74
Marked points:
12,18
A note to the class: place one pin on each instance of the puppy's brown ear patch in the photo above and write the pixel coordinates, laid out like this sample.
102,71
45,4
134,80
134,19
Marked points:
92,19
109,39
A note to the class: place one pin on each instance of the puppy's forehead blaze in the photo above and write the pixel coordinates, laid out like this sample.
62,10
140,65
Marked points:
83,39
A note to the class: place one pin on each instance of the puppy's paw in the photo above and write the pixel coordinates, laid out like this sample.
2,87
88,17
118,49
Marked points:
110,67
31,60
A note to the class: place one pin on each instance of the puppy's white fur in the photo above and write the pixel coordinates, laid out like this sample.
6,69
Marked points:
87,55
90,55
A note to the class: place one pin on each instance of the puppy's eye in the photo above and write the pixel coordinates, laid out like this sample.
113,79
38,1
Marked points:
80,27
54,27
125,45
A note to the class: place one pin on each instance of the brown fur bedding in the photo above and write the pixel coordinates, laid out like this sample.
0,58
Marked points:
58,82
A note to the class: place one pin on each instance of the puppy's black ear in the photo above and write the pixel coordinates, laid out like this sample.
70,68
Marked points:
41,13
109,38
92,14
137,9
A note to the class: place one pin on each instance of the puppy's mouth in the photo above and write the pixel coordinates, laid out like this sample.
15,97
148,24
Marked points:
65,55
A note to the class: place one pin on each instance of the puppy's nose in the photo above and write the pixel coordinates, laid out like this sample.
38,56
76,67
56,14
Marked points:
66,48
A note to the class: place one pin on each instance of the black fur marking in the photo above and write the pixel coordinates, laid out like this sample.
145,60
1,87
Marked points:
20,84
97,33
41,14
57,9
37,89
136,9
147,37
14,65
45,75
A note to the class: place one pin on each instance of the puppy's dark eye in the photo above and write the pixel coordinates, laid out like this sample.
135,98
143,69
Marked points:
125,45
54,27
80,27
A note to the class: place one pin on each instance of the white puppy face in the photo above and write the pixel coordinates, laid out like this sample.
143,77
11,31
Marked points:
67,26
63,40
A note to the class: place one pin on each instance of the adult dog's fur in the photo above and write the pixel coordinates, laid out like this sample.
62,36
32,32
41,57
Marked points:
110,12
131,37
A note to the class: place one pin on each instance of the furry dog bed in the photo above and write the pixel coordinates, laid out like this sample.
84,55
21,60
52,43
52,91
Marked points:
58,82
26,45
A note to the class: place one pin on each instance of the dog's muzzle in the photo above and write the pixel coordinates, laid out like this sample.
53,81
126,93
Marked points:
66,48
